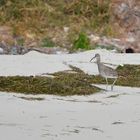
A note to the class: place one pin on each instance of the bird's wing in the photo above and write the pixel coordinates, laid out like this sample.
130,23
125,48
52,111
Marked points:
113,66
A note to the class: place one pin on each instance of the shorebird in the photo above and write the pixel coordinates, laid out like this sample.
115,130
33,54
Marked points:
105,71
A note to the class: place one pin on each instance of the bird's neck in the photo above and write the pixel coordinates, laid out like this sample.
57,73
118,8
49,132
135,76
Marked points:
98,64
98,61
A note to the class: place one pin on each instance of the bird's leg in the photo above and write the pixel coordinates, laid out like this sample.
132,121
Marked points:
113,84
106,83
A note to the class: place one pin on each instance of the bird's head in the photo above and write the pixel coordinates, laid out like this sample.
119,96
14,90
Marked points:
97,56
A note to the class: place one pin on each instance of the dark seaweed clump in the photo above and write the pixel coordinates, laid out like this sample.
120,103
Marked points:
65,83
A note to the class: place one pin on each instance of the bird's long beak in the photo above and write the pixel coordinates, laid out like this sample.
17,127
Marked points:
92,59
